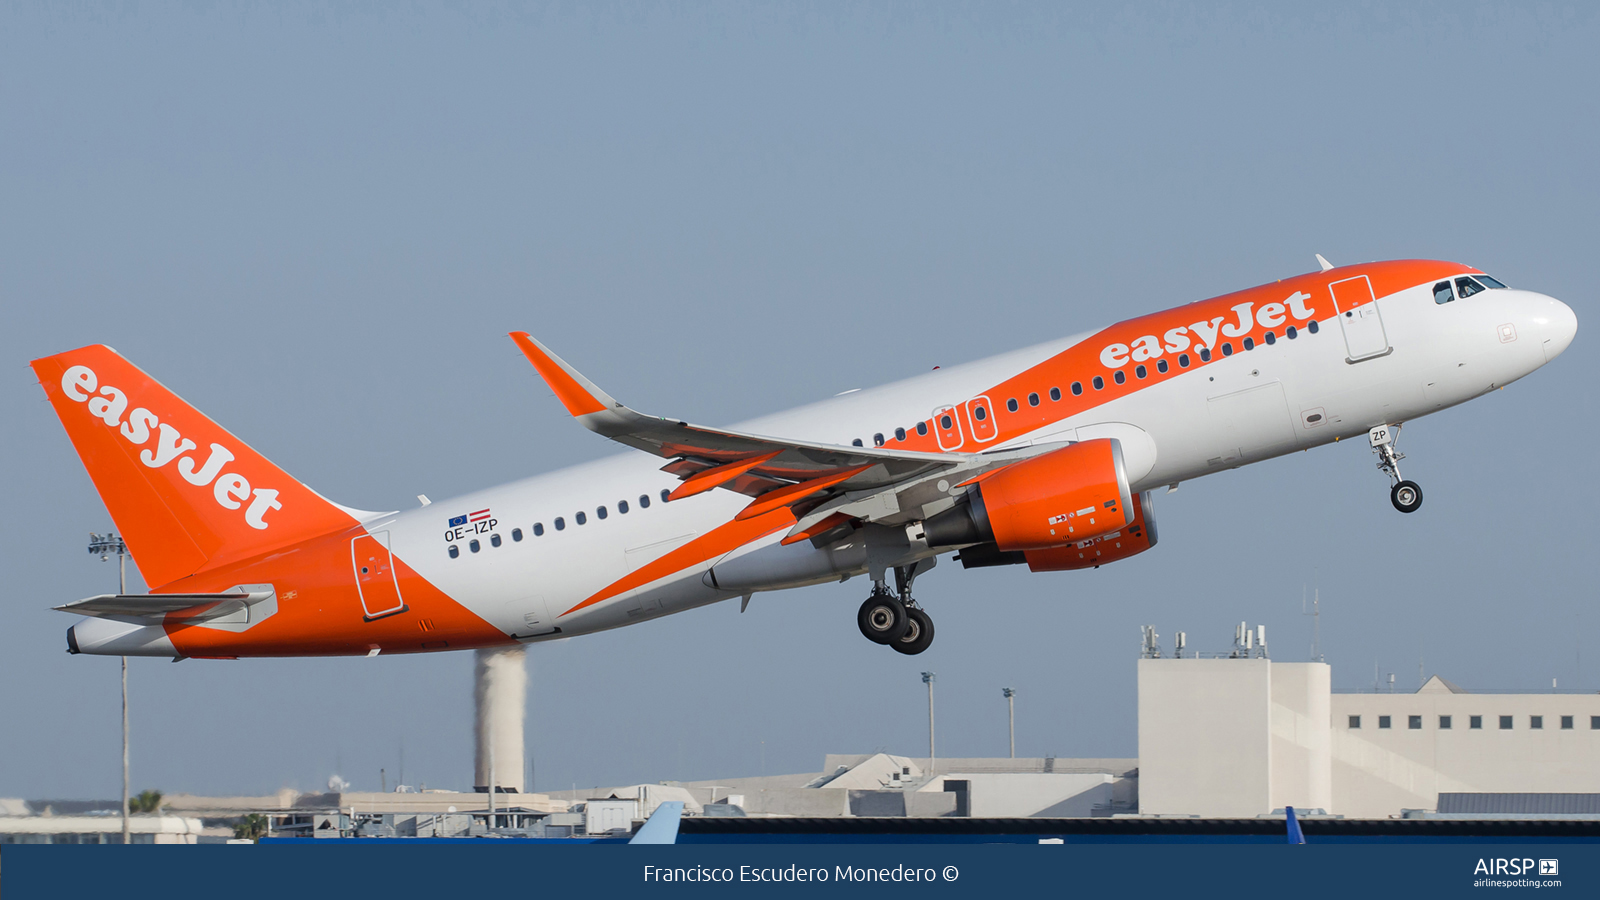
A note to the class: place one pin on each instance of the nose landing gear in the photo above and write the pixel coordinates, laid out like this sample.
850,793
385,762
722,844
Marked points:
895,619
1405,495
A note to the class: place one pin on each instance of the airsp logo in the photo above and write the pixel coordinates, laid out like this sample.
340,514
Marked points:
1516,867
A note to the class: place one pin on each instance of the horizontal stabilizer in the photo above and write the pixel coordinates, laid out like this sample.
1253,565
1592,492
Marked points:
187,607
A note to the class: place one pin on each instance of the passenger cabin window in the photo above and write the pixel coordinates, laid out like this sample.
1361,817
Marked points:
1292,333
1183,360
600,511
980,413
561,524
877,439
1010,405
1312,326
1055,393
1205,354
474,546
1271,338
1033,399
1227,348
1119,377
1161,366
581,518
644,501
1466,287
1077,388
454,551
538,529
622,507
922,428
1099,382
1249,343
857,443
664,493
1442,293
494,540
1141,371
899,434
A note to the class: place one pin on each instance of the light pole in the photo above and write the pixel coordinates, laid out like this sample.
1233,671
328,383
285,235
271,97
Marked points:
928,679
1011,711
103,546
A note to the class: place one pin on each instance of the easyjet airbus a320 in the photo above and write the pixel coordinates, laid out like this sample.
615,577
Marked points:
1044,456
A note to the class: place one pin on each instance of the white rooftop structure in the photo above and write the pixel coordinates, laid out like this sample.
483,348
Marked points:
1242,737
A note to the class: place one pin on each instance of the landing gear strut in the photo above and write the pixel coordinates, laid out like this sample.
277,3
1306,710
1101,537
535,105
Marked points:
895,618
1405,495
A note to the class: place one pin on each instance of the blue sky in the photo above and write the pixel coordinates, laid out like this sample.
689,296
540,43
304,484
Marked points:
317,225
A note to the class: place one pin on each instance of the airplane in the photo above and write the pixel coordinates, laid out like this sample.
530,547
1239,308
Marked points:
1045,456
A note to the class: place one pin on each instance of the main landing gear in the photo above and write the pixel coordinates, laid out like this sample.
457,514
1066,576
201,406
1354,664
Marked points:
896,619
1405,495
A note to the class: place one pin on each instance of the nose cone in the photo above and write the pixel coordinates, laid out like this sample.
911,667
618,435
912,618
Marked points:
1559,329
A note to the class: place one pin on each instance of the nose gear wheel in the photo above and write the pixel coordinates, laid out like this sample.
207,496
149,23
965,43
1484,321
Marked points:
1406,496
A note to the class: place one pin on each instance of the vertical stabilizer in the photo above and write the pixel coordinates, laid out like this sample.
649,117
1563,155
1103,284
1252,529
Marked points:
183,492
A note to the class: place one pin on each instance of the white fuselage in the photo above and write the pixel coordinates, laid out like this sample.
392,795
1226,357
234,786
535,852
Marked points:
1248,407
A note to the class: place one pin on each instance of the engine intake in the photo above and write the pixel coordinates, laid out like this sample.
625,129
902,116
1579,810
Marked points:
1065,496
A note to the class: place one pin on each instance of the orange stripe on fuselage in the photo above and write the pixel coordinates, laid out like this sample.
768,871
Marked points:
320,612
716,542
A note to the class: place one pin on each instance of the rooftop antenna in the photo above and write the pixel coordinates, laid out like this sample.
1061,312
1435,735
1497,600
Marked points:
1179,641
1316,621
1261,642
1149,642
1391,682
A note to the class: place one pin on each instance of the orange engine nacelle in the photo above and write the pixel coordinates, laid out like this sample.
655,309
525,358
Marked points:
1065,496
1136,538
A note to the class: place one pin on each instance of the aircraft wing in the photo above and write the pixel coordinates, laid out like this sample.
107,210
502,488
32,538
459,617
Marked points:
751,464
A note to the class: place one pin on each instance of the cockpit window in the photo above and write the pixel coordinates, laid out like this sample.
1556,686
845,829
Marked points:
1442,292
1466,287
1490,282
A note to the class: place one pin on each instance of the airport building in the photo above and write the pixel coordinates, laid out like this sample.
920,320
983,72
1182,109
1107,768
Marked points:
1221,736
1239,737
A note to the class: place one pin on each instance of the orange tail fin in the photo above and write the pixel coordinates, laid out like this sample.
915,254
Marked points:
185,494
